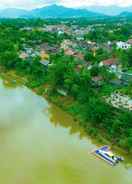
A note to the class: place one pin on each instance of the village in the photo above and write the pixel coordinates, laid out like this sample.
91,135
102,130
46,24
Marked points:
89,52
66,91
81,66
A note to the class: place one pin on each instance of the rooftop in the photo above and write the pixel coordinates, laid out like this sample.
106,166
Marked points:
109,62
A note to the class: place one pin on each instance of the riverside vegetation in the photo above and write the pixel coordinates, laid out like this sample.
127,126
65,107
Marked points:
82,98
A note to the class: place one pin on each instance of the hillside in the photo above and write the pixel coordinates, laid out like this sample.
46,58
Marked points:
55,11
52,11
12,13
109,10
126,14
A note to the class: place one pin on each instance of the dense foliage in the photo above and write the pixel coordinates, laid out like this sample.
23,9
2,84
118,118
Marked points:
88,104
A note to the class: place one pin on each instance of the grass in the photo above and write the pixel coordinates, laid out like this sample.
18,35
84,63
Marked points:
11,79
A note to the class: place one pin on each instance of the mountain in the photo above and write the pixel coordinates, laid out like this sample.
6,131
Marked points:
55,11
12,13
109,10
52,11
126,14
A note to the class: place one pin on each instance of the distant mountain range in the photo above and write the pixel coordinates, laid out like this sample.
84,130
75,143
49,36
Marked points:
12,13
55,11
126,14
62,12
110,10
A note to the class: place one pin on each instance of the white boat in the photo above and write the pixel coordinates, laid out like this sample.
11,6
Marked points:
105,154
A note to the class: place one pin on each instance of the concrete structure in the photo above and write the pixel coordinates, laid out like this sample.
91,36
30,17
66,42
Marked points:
123,45
111,64
120,101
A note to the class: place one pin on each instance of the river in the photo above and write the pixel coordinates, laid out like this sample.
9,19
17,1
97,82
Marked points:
41,144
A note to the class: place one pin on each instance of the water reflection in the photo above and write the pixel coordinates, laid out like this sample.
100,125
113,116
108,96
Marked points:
39,143
60,118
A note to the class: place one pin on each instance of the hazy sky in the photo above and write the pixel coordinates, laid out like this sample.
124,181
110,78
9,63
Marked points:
29,4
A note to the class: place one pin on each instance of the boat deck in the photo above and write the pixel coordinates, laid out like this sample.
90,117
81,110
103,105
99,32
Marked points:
105,158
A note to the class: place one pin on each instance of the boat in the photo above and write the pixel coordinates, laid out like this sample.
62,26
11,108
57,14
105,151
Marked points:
105,154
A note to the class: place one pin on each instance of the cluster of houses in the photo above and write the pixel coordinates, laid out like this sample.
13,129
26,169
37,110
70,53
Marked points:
124,45
120,101
77,31
30,53
43,51
77,47
113,66
69,48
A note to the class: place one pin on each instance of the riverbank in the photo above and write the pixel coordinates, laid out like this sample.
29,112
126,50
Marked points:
67,103
99,135
41,143
11,78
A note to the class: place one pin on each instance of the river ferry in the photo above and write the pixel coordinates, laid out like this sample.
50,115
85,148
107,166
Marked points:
105,154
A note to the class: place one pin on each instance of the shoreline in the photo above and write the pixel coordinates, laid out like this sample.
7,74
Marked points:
61,102
101,138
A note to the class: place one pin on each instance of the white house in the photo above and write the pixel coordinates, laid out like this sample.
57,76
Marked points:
111,64
123,45
60,32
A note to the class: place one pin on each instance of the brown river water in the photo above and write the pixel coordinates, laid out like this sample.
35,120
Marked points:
41,144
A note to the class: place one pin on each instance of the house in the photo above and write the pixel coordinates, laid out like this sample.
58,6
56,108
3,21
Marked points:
69,52
126,77
48,48
45,62
129,42
109,44
26,29
51,28
120,101
78,68
43,54
66,44
89,66
29,50
23,55
80,38
111,63
79,56
60,32
92,45
117,83
123,45
62,92
97,81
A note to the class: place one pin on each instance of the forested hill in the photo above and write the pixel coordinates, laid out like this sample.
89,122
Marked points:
126,14
53,11
63,12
